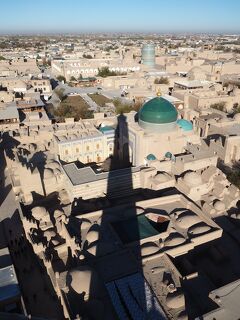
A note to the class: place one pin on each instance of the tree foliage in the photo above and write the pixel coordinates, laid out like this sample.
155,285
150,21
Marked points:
234,177
61,78
87,56
99,99
105,72
219,106
73,78
60,93
161,80
122,107
73,107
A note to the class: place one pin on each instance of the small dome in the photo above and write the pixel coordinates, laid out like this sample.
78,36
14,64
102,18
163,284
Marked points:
39,212
80,279
175,300
57,172
63,196
62,138
32,147
161,177
85,224
185,125
199,229
72,136
48,174
58,213
151,157
149,248
41,147
49,234
212,198
55,242
53,165
219,205
159,111
187,219
174,239
168,155
192,179
92,235
93,248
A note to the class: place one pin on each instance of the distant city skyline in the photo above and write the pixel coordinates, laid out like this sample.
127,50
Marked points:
72,16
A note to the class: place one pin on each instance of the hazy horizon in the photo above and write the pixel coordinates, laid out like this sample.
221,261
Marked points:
155,16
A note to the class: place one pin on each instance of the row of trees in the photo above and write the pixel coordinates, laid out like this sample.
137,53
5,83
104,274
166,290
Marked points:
124,107
70,107
67,110
105,72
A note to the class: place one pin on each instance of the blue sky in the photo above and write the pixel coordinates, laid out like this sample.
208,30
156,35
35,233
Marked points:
50,16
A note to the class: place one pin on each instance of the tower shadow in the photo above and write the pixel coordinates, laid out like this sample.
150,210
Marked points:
117,278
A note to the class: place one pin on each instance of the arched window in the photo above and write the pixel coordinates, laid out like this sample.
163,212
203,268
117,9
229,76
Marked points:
97,146
77,150
66,152
87,148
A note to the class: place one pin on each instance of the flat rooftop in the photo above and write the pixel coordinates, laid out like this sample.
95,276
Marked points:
79,176
9,288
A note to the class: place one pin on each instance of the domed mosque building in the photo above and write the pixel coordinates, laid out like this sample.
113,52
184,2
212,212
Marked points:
157,132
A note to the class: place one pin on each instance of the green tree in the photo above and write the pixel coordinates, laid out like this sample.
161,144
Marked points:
73,78
234,178
87,56
61,78
60,93
122,107
76,112
219,106
161,80
105,72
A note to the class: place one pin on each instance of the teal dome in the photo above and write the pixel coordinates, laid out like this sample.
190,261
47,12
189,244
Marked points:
158,111
168,155
151,157
185,124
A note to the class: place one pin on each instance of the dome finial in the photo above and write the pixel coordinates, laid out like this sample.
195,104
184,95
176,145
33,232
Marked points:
159,92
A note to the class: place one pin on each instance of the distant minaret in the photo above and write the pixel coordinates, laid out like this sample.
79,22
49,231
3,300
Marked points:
148,55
